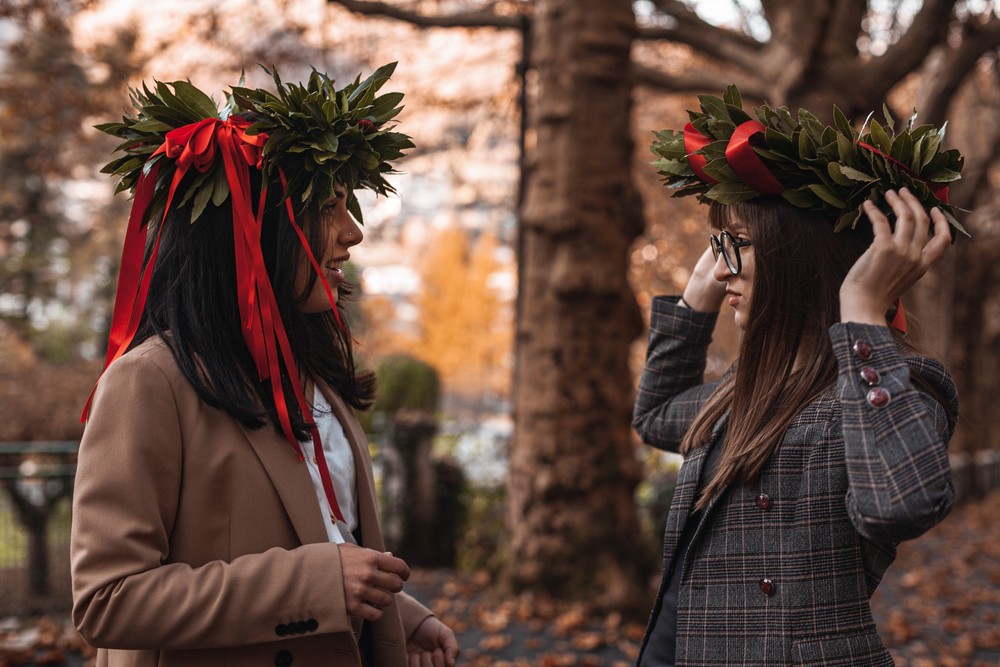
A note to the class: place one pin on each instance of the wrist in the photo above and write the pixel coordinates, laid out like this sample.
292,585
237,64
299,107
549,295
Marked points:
703,303
862,311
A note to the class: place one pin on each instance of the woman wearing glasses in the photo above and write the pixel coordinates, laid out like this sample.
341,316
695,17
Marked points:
824,445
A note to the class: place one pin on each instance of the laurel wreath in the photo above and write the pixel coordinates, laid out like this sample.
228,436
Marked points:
318,136
823,168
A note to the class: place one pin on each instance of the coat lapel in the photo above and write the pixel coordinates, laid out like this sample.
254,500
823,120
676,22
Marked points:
290,477
685,493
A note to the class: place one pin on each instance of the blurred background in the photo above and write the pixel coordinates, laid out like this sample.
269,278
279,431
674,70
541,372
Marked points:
501,296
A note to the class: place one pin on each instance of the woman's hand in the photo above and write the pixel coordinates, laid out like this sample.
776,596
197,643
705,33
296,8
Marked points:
370,580
703,291
895,260
432,644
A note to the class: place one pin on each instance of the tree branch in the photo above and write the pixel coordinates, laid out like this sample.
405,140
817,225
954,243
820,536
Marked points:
841,40
725,45
703,35
944,81
928,29
797,30
694,81
478,19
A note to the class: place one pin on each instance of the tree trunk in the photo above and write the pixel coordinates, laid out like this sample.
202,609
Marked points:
571,515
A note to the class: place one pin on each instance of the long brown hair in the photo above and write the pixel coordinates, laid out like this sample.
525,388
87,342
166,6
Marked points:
799,265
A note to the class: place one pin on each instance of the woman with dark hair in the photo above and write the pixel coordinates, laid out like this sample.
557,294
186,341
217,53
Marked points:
224,510
825,444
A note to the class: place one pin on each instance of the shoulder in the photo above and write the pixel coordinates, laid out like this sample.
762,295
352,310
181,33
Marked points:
147,370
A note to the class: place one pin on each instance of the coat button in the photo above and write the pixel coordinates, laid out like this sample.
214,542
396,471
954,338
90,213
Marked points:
282,659
870,375
766,587
878,397
312,625
281,630
863,349
764,502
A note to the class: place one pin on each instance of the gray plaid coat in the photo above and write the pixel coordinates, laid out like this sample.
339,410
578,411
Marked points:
781,571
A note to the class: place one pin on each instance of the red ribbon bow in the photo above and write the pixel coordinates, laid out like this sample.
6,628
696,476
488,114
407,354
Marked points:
740,156
747,164
693,141
196,146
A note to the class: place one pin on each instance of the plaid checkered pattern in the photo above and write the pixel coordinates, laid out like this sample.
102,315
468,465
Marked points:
848,482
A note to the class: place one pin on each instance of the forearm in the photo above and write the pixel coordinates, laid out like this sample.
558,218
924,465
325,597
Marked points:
675,363
217,604
895,438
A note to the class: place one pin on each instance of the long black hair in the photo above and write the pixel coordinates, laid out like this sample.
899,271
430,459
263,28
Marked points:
193,306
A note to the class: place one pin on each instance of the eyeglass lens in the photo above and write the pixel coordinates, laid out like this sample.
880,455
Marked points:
724,244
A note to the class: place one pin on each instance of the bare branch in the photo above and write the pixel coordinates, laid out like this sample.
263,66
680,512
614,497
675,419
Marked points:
955,65
843,29
477,19
929,28
727,46
695,81
796,39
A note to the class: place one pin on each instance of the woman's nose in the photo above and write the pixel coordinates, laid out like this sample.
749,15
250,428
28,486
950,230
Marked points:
350,232
721,270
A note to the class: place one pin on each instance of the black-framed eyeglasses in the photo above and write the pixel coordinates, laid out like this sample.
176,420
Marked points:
727,245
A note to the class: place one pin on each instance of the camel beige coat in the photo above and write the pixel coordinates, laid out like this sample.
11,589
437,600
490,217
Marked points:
199,542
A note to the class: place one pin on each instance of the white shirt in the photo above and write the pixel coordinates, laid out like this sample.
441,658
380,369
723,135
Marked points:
340,461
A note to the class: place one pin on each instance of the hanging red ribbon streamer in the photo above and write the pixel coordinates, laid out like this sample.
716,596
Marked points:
195,145
693,141
747,164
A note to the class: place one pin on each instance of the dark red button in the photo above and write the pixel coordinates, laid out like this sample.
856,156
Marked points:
764,502
863,349
878,397
870,375
766,587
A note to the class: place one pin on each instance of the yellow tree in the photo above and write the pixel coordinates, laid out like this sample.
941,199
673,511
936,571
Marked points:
462,330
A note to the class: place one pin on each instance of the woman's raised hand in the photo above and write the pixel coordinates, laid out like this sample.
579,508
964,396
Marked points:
703,291
896,259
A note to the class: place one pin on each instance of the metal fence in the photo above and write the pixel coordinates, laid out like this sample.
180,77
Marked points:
36,486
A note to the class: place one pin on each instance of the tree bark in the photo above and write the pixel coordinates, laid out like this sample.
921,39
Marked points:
571,515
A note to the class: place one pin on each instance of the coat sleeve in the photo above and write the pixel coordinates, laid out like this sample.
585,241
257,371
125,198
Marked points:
411,612
127,592
671,389
895,435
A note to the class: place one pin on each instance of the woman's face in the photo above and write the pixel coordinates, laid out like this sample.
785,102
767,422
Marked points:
339,233
739,288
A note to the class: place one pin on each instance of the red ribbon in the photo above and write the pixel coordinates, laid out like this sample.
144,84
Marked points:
693,141
899,318
940,190
195,146
747,164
